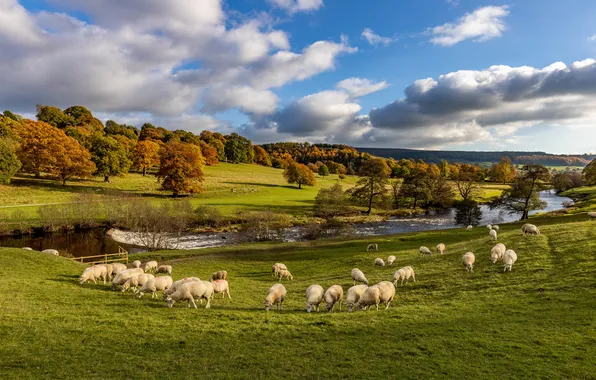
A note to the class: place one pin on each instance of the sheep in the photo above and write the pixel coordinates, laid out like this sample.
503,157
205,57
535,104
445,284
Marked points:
468,261
314,297
219,275
94,273
285,274
136,264
496,253
493,234
109,269
358,276
591,215
277,267
384,292
121,277
175,285
164,269
372,247
469,228
425,251
495,227
135,281
154,285
333,295
440,249
354,294
404,274
117,268
27,248
379,262
150,266
275,295
530,229
221,286
51,252
390,260
190,291
509,258
489,227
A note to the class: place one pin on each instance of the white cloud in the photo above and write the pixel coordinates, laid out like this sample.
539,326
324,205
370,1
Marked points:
481,25
358,87
294,6
375,39
453,3
592,38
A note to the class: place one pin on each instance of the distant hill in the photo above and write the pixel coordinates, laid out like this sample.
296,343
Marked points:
481,157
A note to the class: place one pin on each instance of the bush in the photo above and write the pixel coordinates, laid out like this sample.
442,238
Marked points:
208,216
332,202
265,226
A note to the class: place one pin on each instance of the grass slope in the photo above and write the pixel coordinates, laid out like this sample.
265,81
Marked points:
535,322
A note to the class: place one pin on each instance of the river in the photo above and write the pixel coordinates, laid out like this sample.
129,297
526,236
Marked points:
95,242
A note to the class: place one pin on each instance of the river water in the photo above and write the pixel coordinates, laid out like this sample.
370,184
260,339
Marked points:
95,242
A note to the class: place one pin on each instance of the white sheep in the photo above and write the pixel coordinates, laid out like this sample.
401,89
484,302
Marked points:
221,286
51,252
390,260
277,267
379,262
358,276
469,228
496,253
27,248
333,295
314,297
495,227
94,273
154,285
509,257
384,292
275,295
136,264
285,274
493,234
468,260
530,229
150,266
219,275
425,251
404,274
121,277
372,247
109,270
176,284
135,281
591,215
440,249
354,294
164,269
488,226
190,291
117,268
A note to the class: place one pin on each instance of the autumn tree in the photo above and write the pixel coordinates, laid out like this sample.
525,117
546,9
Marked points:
323,170
74,162
299,174
53,116
395,184
146,155
216,140
444,168
261,156
504,171
467,185
209,153
589,173
109,156
372,185
181,168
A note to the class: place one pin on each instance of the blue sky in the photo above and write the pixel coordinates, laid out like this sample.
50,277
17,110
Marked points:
270,69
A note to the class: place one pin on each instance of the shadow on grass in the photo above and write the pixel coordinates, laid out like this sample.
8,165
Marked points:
257,184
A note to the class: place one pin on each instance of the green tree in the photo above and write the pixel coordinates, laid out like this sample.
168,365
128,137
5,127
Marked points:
299,174
181,168
54,116
562,182
324,170
9,163
444,168
238,149
468,213
467,186
109,156
372,186
589,173
332,202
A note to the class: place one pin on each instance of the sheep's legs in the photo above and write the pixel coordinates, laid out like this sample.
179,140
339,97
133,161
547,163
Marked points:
193,302
208,306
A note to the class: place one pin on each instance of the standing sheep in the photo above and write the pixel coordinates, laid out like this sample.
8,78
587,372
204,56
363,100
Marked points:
150,266
154,285
440,249
468,260
285,274
354,294
379,262
358,276
493,234
372,247
190,291
219,275
94,273
136,264
121,277
390,260
117,268
495,227
425,251
277,267
314,297
469,228
176,284
496,253
164,269
275,295
135,281
384,292
333,295
109,270
221,286
404,274
530,229
509,258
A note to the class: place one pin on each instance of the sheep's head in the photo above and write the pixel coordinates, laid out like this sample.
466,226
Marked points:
350,307
329,306
268,305
170,301
81,280
493,258
308,307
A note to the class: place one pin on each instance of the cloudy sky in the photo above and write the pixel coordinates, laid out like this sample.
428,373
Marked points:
446,74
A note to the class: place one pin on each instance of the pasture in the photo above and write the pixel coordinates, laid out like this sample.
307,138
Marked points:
535,322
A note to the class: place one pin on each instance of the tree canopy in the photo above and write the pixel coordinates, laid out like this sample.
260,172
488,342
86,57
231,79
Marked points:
181,168
299,174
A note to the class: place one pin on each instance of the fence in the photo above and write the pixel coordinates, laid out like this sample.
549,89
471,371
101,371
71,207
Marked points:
122,255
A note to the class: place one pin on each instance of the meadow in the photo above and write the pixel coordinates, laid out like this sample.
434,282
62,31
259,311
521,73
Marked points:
534,322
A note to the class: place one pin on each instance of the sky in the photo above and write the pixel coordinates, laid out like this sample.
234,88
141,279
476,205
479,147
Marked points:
423,74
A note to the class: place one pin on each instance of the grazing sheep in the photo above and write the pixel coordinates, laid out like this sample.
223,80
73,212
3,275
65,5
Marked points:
469,228
154,285
379,262
136,264
354,294
219,275
509,257
404,274
190,291
27,248
493,234
314,297
591,215
425,251
390,260
51,252
285,274
150,266
221,286
135,281
164,269
117,268
495,227
497,252
488,226
384,292
530,229
277,267
94,273
468,260
121,277
109,269
333,295
372,247
440,249
175,285
275,295
358,276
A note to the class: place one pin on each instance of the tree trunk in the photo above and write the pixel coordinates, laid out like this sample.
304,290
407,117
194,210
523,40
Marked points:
106,178
370,198
299,185
144,171
63,181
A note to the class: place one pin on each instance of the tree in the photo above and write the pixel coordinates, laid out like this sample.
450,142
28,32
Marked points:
109,156
562,182
261,156
504,171
324,170
53,116
396,184
467,186
441,192
332,202
9,163
146,155
371,187
209,153
75,161
444,168
299,174
589,173
181,168
416,186
468,213
238,149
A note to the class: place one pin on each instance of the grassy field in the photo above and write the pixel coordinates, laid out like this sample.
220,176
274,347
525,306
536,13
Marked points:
585,198
536,322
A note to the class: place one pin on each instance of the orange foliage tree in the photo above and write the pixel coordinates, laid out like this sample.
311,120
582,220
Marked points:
209,153
261,156
181,168
299,174
146,155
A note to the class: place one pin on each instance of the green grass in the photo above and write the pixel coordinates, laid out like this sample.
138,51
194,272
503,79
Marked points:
535,322
584,197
